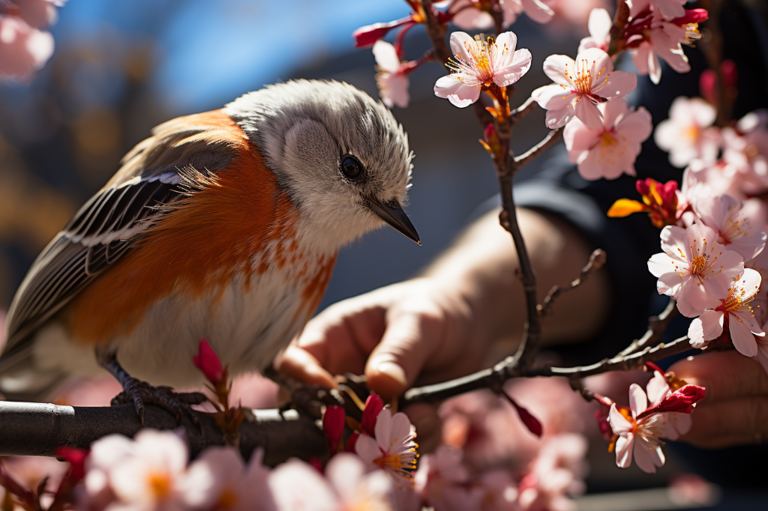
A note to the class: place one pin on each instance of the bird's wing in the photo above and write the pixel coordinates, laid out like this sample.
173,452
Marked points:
154,174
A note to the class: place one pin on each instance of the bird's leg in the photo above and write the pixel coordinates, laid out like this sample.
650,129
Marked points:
140,392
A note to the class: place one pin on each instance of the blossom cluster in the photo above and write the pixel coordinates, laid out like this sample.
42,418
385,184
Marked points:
24,44
714,227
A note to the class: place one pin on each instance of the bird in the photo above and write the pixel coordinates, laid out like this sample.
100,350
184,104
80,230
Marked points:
223,225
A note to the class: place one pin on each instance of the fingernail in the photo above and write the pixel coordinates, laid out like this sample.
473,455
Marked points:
394,371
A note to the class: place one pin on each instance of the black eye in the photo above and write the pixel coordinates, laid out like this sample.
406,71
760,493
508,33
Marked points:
351,167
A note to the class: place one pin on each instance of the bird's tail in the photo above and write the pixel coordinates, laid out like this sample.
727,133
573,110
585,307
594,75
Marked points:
21,380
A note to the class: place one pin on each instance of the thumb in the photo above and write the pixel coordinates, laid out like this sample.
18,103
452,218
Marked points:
410,339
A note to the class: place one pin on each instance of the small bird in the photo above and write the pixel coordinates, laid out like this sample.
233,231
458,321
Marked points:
223,225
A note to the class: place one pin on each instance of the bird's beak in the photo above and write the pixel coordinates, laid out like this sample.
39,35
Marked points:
392,213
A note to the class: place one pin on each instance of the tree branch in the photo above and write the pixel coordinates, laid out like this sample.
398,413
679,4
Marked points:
37,429
596,261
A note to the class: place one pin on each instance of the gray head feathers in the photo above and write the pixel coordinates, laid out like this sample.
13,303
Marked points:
306,128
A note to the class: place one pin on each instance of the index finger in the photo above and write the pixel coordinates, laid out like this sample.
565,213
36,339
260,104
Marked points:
725,375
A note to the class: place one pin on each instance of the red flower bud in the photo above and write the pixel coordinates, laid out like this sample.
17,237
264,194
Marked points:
333,426
373,406
369,34
708,86
691,16
531,422
351,441
208,362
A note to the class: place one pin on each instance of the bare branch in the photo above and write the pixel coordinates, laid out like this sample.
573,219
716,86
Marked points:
657,325
535,151
596,261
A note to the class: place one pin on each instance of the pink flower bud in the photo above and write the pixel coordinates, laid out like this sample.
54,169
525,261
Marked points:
333,426
208,362
691,16
679,401
373,406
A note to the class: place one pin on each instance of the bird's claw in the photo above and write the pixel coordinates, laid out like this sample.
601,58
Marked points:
178,403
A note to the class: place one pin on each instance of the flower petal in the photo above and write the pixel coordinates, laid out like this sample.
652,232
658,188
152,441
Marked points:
742,338
589,114
386,56
555,67
459,94
638,401
624,446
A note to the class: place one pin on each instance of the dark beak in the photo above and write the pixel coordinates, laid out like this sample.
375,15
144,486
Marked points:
392,213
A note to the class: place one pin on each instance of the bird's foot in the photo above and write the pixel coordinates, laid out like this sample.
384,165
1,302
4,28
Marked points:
141,393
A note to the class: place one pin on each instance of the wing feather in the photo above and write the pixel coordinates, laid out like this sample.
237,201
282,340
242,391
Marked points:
112,221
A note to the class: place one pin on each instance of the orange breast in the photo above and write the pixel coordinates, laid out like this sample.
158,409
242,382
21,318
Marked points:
201,244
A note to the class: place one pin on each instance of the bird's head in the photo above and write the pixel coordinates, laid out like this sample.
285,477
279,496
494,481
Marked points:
341,156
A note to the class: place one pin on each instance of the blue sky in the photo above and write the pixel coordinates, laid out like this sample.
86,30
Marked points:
214,51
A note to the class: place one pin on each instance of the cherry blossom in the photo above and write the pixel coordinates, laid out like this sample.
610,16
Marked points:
736,310
688,133
557,471
658,389
393,448
640,428
669,9
726,216
638,437
474,15
357,488
657,37
694,268
480,65
150,474
296,484
745,150
580,86
599,26
611,149
392,78
441,481
219,479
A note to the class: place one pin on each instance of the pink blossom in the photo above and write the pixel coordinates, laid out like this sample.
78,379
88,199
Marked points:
23,49
481,64
297,485
679,423
745,150
694,268
659,38
580,86
669,9
146,473
638,437
498,490
737,311
391,79
472,15
760,301
599,26
687,135
611,149
441,481
556,472
726,216
219,479
356,488
393,448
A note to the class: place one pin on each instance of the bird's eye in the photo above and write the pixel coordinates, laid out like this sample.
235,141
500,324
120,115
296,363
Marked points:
351,167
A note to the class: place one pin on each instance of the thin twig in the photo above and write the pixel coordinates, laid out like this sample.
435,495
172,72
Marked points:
657,325
596,261
535,151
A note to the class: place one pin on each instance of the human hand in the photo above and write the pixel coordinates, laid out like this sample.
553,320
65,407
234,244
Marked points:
419,328
735,409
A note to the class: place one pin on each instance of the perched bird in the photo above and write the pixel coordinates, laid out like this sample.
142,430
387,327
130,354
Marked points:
223,225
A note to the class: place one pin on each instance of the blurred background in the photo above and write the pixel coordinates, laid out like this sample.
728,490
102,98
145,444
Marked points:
122,67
